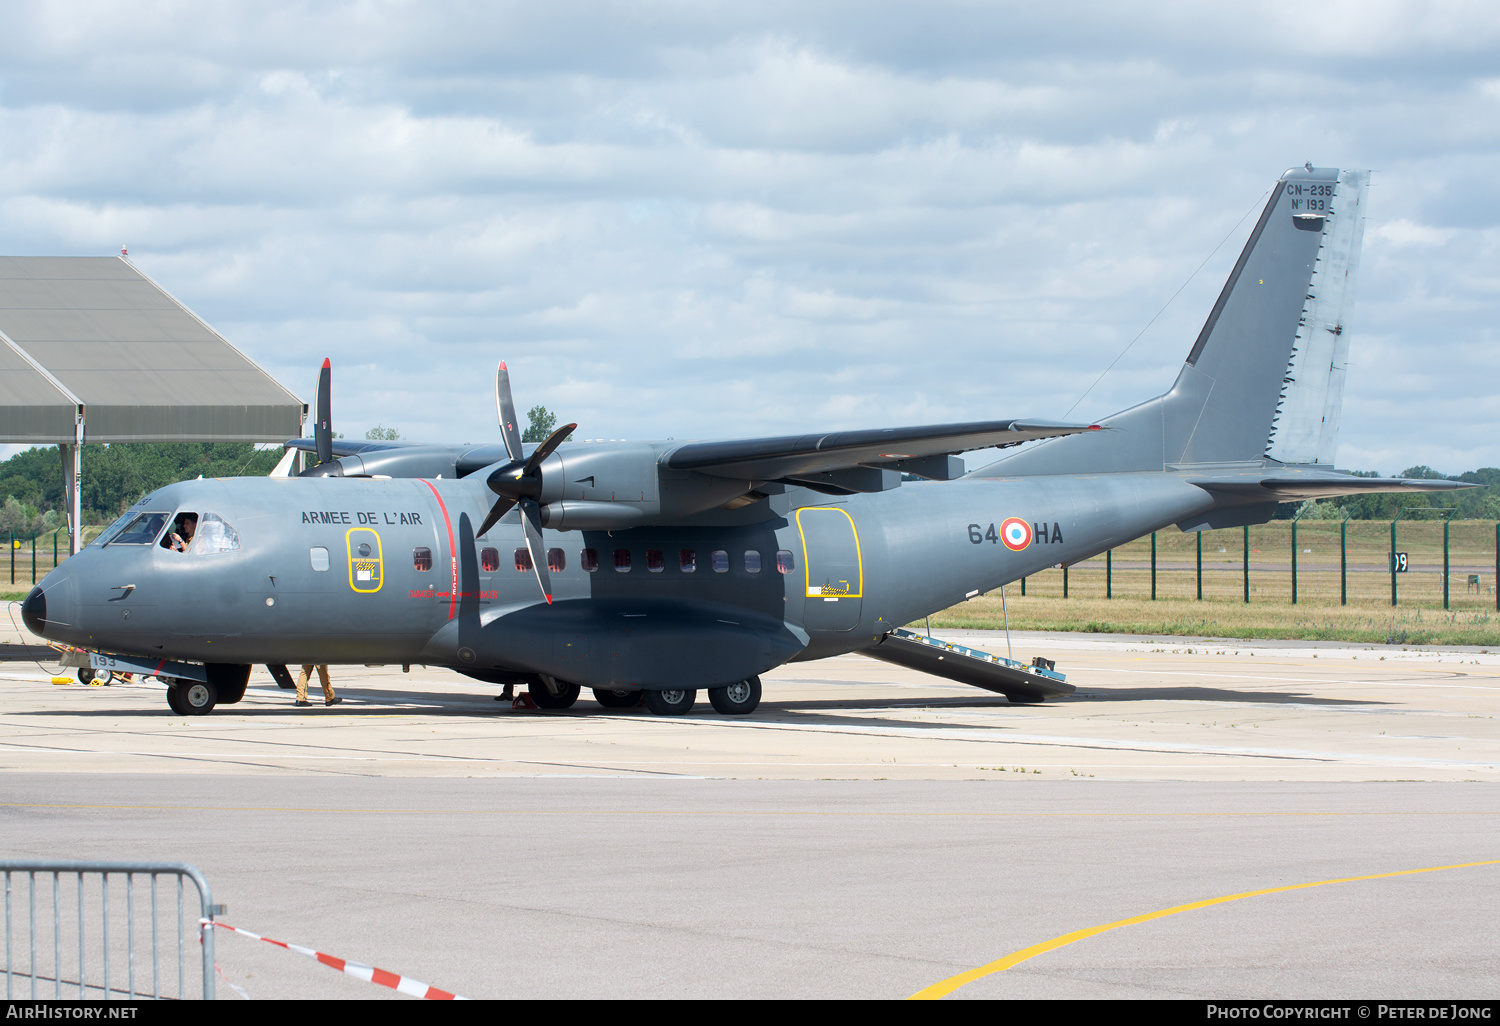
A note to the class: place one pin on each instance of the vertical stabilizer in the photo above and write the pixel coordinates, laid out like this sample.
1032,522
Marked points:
1306,427
1265,376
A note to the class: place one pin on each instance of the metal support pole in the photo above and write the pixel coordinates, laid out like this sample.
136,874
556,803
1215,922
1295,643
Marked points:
1065,580
1247,564
33,560
1294,561
1109,565
1497,566
1153,566
54,547
1200,566
1023,580
1294,555
1344,560
1393,557
12,546
1445,561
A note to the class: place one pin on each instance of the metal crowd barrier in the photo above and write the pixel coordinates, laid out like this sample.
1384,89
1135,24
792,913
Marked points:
95,942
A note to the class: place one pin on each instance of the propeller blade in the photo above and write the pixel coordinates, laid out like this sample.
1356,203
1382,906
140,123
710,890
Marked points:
323,426
505,409
545,449
531,521
501,507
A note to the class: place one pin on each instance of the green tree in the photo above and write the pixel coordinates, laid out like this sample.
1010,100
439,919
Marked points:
382,434
543,422
12,517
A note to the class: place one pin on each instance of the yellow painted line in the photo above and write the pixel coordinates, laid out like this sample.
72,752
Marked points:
952,983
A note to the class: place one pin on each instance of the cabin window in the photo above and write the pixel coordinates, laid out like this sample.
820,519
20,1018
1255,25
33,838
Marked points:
215,535
752,561
655,561
523,560
784,562
489,560
142,530
687,559
556,561
622,561
319,558
589,560
720,560
421,560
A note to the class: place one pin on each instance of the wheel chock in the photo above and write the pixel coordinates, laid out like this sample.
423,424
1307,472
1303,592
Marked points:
523,701
62,680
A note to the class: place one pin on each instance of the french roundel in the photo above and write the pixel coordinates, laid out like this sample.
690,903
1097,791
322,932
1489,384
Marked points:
1015,533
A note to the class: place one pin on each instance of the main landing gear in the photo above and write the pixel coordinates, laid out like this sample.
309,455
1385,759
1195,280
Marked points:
737,699
225,686
551,693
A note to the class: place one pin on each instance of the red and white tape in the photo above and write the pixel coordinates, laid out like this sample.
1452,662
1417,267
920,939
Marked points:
368,973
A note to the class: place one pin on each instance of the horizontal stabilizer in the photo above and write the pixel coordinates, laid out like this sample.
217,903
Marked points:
793,457
1285,484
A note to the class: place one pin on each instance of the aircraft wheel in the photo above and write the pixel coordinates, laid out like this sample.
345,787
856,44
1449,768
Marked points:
174,697
545,699
617,698
196,697
671,703
738,699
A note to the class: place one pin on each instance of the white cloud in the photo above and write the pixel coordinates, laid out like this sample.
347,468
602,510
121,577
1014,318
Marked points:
700,219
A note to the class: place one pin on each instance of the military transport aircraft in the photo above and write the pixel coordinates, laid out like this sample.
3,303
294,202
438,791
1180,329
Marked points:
649,570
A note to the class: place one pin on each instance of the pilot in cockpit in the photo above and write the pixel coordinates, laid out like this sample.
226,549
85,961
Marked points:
180,538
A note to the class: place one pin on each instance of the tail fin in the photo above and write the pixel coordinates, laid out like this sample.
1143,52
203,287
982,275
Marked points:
1265,376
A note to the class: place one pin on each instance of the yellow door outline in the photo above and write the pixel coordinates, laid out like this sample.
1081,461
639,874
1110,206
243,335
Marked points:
821,591
374,567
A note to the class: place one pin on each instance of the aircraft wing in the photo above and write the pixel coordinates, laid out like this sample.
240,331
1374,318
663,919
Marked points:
1284,484
796,458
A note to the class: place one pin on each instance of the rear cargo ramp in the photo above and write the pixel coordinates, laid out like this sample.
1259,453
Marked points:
1015,680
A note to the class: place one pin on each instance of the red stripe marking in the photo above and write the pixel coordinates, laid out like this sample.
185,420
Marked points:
452,549
433,994
337,963
386,979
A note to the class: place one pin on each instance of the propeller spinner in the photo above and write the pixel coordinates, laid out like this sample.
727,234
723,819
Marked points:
518,483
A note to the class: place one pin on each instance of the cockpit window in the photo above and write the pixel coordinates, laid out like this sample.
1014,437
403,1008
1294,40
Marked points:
179,537
108,534
140,531
215,535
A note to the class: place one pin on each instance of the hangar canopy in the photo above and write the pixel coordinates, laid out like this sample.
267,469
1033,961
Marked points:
92,350
93,338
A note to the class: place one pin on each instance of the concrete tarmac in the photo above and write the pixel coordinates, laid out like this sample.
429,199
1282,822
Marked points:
868,833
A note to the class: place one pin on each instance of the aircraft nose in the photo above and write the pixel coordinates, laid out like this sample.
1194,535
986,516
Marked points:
34,611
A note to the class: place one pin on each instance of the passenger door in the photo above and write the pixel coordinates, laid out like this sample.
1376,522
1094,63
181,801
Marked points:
833,568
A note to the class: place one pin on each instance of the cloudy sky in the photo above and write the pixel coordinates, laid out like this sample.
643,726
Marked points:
699,219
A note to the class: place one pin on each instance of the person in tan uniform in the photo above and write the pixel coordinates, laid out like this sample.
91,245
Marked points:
329,698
